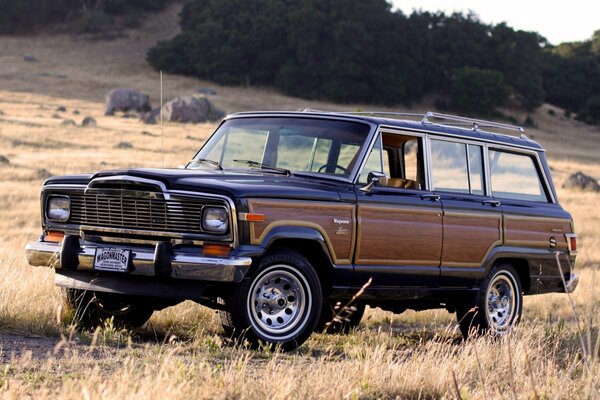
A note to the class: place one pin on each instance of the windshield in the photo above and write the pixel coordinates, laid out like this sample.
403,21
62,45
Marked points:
284,145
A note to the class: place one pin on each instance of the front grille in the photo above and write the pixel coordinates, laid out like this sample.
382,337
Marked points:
144,213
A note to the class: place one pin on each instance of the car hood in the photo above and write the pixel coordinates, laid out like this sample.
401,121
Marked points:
234,183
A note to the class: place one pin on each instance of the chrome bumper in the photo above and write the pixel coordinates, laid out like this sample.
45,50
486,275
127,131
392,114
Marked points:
184,264
572,283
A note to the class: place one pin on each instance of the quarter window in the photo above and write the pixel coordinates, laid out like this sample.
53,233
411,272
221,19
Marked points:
515,176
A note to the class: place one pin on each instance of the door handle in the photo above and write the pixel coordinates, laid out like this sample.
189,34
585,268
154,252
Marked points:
431,197
493,203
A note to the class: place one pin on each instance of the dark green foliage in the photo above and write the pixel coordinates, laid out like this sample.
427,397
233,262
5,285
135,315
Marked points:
478,91
20,16
590,112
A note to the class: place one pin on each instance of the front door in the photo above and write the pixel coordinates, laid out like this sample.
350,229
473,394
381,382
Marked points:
399,235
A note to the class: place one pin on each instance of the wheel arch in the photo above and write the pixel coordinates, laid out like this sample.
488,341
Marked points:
521,266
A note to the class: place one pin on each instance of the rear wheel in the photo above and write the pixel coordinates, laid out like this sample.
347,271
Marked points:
91,309
279,305
497,307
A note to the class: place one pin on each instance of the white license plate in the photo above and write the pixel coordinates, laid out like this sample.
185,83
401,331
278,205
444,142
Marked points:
113,260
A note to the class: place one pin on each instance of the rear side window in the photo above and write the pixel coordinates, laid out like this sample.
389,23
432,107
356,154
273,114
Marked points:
515,176
457,167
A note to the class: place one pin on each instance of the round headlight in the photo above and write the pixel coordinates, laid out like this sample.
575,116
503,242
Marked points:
215,219
59,208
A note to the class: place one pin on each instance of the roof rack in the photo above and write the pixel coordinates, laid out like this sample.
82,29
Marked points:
475,124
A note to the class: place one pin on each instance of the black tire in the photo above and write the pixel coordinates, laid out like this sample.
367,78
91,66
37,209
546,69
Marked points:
497,307
279,304
349,319
92,309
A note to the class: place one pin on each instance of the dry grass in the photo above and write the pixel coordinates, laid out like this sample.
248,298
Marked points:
181,352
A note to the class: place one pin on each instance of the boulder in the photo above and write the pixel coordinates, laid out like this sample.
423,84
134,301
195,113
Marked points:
151,117
207,91
68,122
61,109
30,58
42,173
88,121
123,99
191,109
581,181
123,145
4,160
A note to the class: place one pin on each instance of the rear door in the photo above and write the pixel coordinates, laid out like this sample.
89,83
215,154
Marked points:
472,222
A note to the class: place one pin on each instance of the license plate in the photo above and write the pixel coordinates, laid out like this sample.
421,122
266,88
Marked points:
113,260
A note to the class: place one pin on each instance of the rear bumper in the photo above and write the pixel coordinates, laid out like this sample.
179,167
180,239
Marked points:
147,261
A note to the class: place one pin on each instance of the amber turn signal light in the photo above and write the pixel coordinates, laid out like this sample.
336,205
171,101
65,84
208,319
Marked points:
252,217
216,250
54,236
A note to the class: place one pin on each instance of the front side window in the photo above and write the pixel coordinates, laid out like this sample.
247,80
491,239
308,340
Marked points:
374,162
515,176
295,144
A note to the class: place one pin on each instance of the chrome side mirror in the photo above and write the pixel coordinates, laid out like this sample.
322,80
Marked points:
375,178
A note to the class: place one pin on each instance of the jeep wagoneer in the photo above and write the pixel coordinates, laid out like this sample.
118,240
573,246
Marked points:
280,215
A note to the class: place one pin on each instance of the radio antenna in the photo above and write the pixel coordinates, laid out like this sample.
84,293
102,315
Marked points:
162,129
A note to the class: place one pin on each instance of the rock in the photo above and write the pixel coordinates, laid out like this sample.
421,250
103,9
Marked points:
42,173
146,133
131,114
126,99
88,121
56,116
581,181
1,112
207,91
123,145
30,58
4,160
68,122
76,112
61,109
191,109
151,117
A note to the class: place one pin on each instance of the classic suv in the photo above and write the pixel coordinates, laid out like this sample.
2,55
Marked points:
281,215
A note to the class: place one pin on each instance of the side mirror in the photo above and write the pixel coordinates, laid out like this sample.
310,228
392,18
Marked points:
375,178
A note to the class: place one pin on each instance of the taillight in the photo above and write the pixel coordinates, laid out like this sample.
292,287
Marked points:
571,243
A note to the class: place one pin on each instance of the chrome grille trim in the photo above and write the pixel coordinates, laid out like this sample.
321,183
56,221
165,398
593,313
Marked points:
194,202
176,214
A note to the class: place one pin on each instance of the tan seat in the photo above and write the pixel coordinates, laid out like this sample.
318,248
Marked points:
402,183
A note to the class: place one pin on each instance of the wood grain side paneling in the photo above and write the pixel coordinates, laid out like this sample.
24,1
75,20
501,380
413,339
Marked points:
535,231
468,237
317,215
399,236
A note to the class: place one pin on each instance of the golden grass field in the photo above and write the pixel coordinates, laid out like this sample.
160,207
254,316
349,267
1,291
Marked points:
182,353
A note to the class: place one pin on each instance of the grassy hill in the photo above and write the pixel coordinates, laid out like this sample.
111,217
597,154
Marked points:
181,353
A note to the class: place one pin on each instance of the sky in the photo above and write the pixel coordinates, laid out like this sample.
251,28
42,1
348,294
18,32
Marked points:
565,21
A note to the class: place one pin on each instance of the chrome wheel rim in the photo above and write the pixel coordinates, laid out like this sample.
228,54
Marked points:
278,302
502,302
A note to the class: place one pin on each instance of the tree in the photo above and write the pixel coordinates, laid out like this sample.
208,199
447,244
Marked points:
478,91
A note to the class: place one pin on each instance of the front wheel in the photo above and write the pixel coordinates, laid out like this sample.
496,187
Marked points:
91,309
498,305
279,305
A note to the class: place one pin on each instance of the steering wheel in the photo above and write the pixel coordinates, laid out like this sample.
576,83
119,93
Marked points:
337,166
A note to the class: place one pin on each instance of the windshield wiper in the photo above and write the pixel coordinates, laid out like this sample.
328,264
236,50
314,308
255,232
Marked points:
206,161
264,166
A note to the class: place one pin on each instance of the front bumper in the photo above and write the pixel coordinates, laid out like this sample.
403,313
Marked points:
146,261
